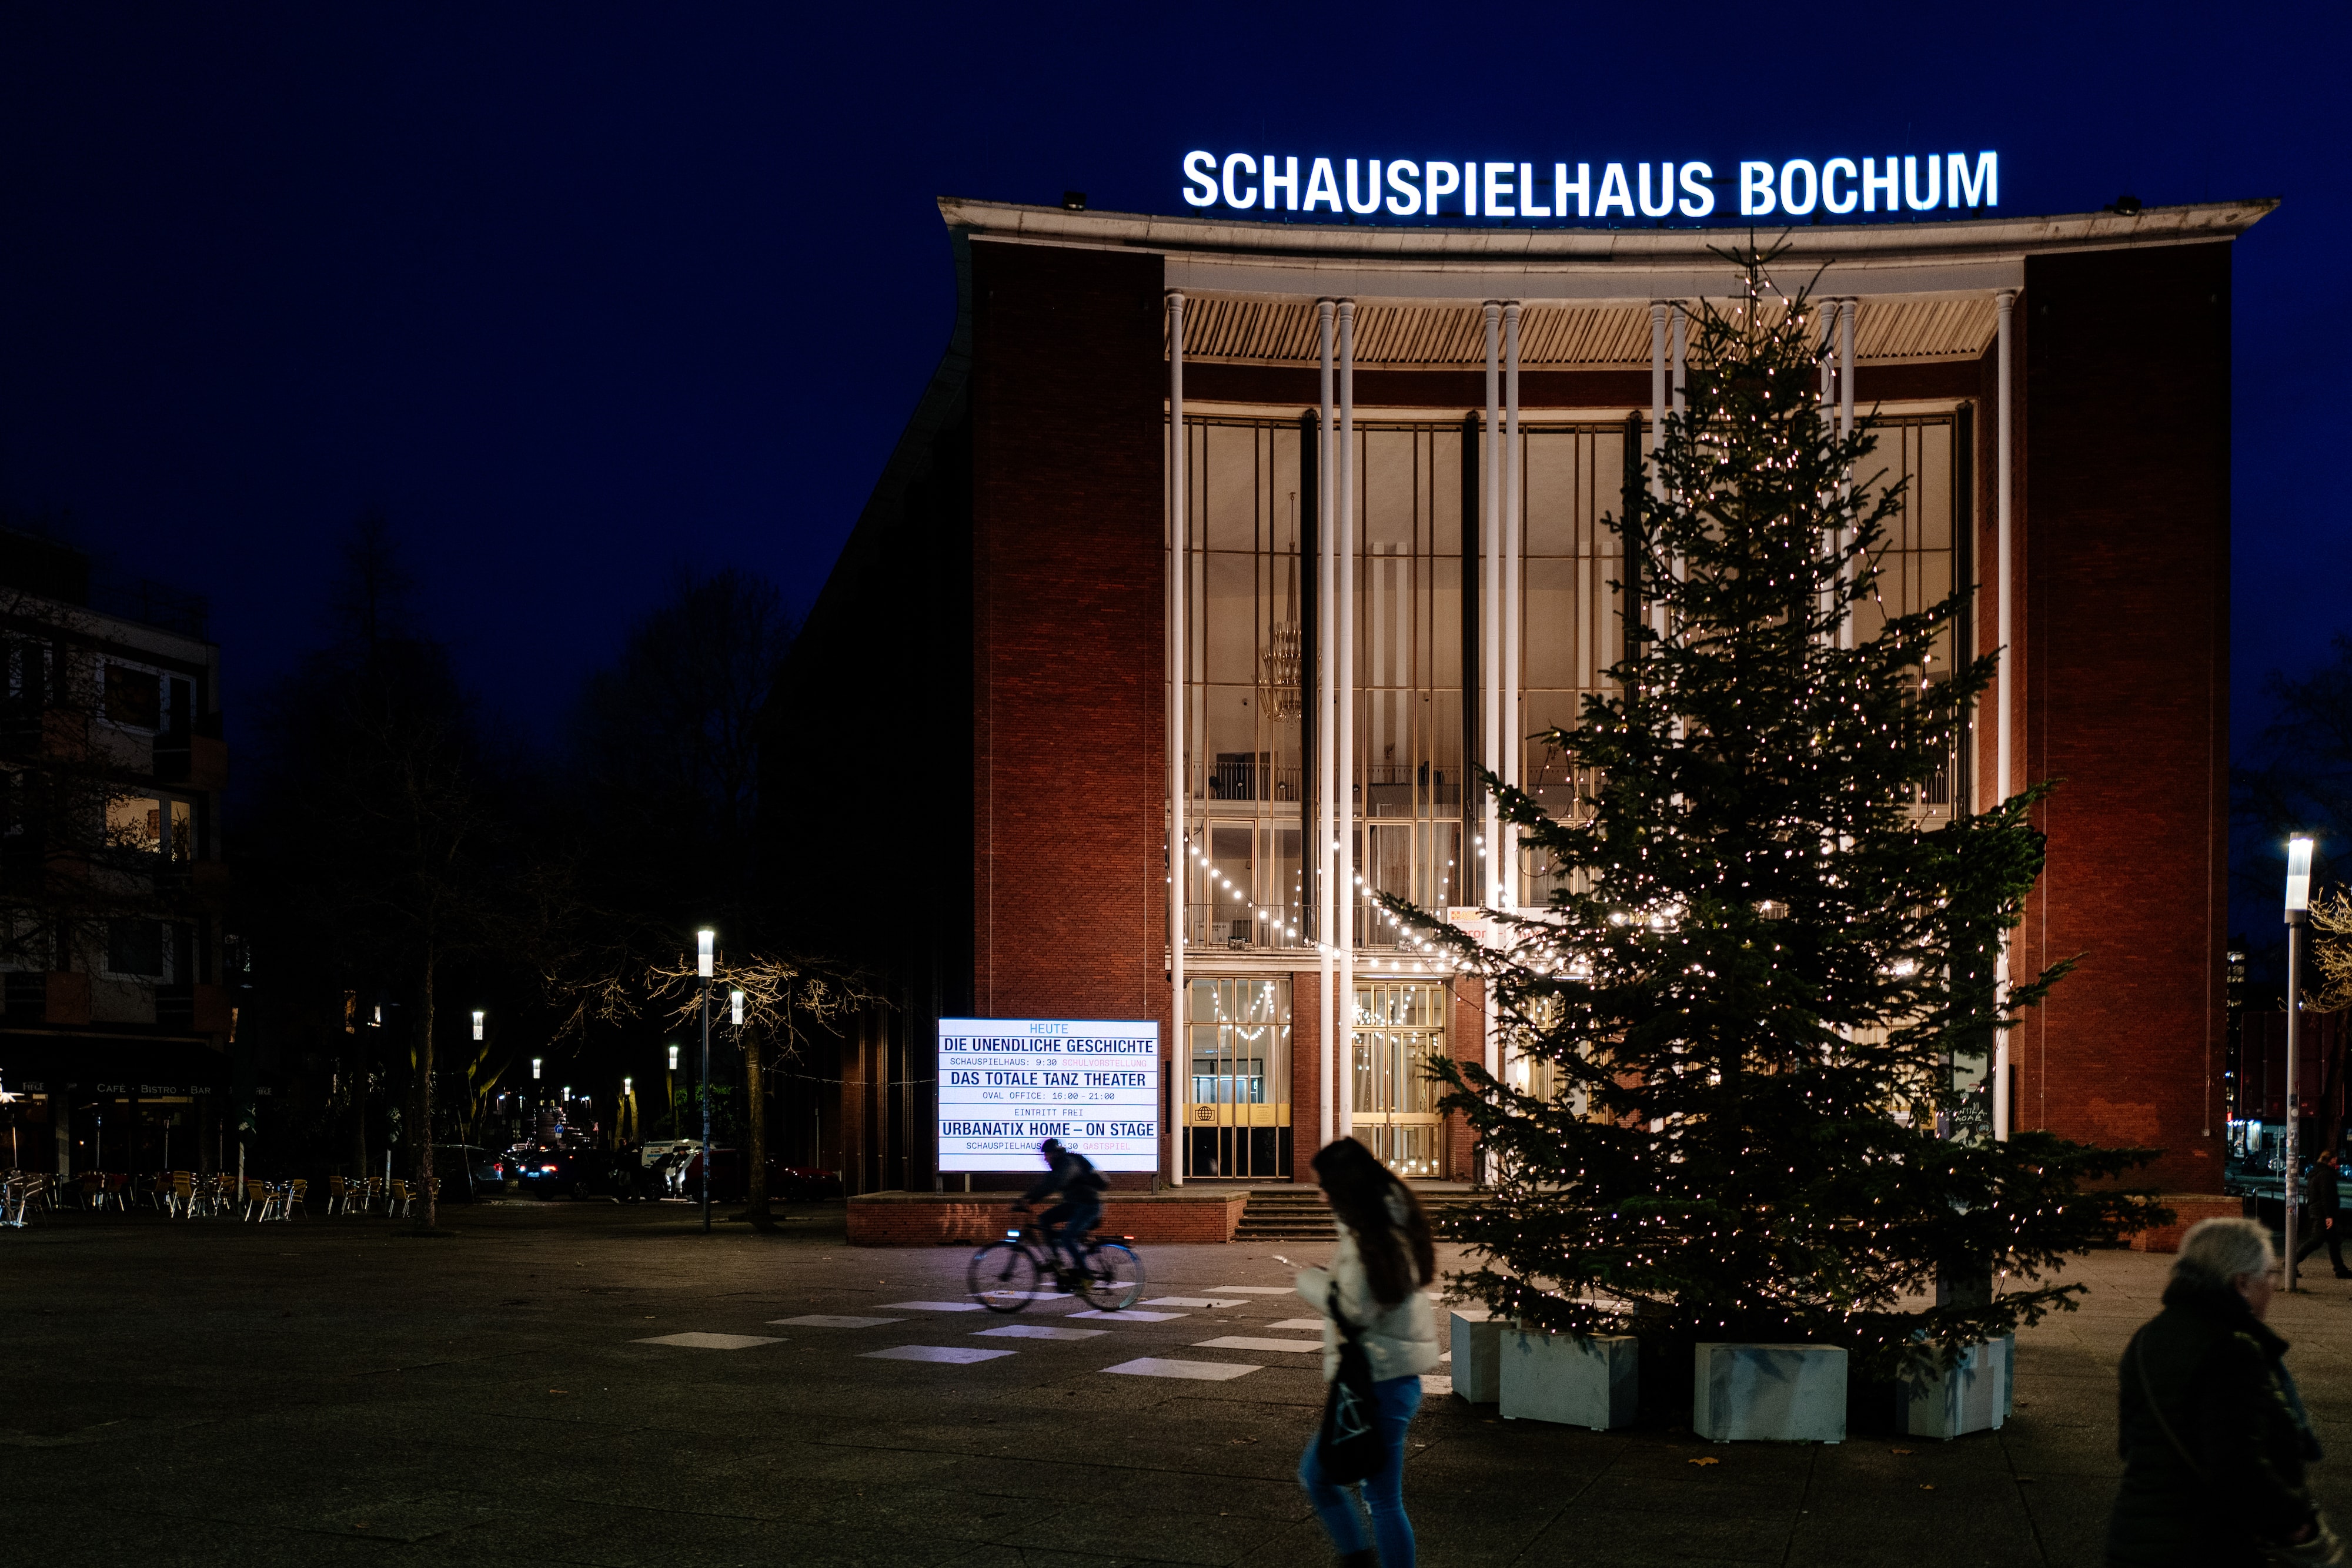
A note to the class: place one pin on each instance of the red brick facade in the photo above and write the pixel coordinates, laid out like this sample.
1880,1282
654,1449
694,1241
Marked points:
1052,432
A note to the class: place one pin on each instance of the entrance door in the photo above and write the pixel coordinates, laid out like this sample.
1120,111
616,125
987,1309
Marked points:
1237,1091
1399,1029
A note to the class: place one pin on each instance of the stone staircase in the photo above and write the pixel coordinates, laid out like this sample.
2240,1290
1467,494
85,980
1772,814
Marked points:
1286,1214
1299,1213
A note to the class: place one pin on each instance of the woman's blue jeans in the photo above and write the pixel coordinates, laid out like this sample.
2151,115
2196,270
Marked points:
1383,1493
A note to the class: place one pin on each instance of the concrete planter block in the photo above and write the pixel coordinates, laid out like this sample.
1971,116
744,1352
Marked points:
1477,1342
1769,1393
1974,1396
1576,1381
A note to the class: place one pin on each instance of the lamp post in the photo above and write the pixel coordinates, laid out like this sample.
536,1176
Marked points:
705,942
2298,915
669,1089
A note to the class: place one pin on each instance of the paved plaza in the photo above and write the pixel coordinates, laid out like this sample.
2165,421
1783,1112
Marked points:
588,1383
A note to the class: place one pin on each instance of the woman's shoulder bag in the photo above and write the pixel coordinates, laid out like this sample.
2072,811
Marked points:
1348,1447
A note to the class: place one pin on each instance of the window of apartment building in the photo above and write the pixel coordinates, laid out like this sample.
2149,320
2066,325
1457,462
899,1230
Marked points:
133,696
155,824
136,948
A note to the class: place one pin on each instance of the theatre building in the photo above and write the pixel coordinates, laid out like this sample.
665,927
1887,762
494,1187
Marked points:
1023,685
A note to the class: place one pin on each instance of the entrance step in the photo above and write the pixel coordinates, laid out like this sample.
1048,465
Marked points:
1299,1214
1286,1214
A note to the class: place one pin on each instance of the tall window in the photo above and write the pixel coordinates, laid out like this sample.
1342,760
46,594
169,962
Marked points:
1245,601
1399,1031
1921,554
1571,621
1408,676
1237,1088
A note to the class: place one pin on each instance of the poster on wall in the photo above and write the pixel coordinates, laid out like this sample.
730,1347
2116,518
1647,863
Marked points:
1008,1084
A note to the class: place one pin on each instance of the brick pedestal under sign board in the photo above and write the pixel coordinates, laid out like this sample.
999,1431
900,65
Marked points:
938,1218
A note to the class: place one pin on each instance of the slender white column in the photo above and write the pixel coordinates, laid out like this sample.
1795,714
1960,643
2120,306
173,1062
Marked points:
2005,680
1179,841
1349,554
1845,422
1845,366
1490,619
1657,430
1327,737
1682,337
1513,551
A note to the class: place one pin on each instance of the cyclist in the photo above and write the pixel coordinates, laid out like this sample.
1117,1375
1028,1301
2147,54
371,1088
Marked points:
1073,1177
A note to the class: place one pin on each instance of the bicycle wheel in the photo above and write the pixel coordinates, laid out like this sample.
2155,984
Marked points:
1002,1276
1113,1277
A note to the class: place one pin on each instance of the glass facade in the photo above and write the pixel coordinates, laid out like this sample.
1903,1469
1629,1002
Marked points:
1399,1031
1236,1112
1250,554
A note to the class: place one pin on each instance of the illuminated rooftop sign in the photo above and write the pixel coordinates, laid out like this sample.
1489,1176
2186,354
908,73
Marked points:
1545,192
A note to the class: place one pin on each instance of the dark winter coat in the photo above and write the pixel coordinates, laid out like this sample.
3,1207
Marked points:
2215,1372
2321,1194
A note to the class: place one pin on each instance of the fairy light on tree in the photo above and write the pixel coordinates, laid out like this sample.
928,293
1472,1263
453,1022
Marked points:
1764,985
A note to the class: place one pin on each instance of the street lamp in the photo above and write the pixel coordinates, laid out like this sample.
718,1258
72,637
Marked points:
478,1023
2298,915
735,1003
706,943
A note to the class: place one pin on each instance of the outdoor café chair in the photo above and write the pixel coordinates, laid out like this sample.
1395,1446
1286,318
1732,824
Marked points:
182,1200
258,1200
292,1200
398,1206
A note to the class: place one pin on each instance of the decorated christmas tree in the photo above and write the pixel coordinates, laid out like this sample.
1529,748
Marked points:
1747,1096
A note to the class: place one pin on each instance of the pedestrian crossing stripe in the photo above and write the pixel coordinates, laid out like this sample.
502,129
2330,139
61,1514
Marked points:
1202,1371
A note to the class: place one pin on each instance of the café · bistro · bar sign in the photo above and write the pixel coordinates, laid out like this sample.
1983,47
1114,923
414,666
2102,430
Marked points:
1406,187
1008,1084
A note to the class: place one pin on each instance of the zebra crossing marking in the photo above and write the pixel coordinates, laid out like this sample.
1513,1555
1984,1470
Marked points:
1202,1371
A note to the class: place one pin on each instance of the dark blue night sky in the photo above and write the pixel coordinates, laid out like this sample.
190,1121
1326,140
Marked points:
576,294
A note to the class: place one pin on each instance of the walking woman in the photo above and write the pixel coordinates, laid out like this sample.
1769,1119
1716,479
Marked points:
1375,1280
2210,1429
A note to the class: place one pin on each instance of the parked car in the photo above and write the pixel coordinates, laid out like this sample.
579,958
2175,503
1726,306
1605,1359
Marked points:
588,1173
469,1171
730,1181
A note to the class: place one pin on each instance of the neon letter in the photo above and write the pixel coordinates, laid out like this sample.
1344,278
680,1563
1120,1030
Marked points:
1911,183
1698,201
1614,192
1581,190
1372,201
1829,169
1322,185
1200,177
1248,165
1500,194
1442,180
1788,203
1469,189
1528,208
1987,182
1287,183
1403,175
1871,184
1756,199
1665,189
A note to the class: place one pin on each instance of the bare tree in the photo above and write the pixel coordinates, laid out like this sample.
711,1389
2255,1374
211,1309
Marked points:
784,998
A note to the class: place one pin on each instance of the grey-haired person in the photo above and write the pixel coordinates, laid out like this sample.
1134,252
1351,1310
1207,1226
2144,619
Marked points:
2210,1428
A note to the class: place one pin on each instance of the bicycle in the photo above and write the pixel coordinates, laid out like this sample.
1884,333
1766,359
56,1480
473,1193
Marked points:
1004,1275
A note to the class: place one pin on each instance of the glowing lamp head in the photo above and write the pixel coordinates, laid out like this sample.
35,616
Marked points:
2298,875
478,1023
673,1056
735,1008
534,1070
706,943
629,1086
